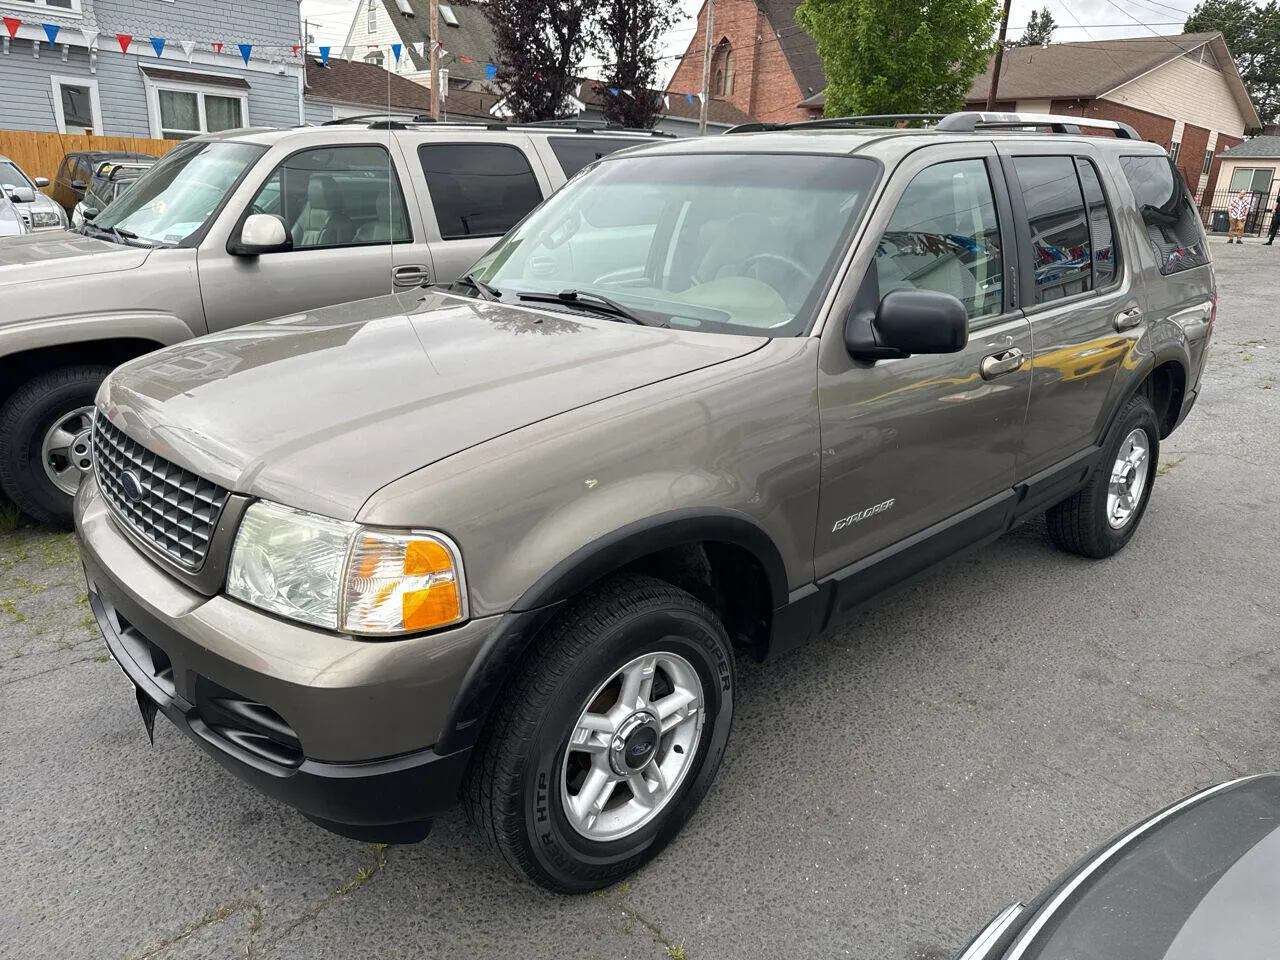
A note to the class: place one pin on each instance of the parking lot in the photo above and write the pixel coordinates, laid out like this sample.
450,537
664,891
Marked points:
886,789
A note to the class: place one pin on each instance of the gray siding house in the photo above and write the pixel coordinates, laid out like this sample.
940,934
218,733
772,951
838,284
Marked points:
82,82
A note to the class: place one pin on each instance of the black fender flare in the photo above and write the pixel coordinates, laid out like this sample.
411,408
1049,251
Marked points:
518,628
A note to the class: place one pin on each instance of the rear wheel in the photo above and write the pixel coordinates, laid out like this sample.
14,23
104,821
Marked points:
44,441
608,738
1100,519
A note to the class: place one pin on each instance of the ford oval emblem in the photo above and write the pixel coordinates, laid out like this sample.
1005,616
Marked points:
641,748
131,486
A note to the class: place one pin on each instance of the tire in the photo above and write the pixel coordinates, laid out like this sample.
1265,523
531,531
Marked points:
516,792
25,419
1083,524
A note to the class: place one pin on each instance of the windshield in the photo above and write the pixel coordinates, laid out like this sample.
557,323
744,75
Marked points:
175,198
11,176
740,243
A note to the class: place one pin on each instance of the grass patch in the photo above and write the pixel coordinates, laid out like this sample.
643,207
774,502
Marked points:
9,607
10,518
1168,465
677,952
102,658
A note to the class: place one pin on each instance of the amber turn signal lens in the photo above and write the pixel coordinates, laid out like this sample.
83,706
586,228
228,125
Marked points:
424,609
424,557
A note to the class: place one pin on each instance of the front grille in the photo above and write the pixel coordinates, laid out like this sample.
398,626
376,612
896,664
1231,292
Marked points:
174,511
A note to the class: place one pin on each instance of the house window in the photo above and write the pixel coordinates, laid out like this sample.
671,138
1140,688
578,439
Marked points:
1173,151
447,15
1208,162
71,5
1254,180
180,113
373,16
374,57
75,104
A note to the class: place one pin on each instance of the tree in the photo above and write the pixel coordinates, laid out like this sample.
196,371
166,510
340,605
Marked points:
1251,33
539,46
1039,30
626,39
900,56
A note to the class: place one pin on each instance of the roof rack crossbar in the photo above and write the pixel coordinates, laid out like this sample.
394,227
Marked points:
970,121
835,123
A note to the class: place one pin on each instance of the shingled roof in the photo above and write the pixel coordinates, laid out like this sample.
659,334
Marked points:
1261,147
595,93
800,49
472,38
355,82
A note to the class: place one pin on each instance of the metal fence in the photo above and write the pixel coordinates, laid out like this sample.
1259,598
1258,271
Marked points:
1217,219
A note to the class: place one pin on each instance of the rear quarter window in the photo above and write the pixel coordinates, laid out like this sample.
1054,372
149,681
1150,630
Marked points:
1168,213
574,153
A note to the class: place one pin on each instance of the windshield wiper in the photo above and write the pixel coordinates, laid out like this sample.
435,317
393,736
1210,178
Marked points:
597,303
486,291
121,237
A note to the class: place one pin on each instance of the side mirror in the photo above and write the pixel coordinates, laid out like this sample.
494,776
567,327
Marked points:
261,233
20,194
42,181
907,322
78,185
89,213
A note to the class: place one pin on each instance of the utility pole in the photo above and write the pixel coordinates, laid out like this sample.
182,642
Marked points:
435,59
995,67
706,68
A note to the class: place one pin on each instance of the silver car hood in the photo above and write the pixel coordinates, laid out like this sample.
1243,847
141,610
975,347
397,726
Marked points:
61,254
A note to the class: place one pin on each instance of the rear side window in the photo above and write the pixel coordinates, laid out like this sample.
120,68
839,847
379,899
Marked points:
478,189
1170,216
1059,226
574,153
1101,228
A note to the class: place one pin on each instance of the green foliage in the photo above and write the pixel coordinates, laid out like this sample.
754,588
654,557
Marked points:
1251,32
900,56
1039,29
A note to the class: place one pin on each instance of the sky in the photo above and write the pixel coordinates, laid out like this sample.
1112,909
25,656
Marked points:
1079,20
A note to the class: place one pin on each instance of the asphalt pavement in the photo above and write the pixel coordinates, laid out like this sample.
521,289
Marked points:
886,790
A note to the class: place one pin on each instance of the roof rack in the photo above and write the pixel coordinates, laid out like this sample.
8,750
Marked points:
968,121
381,121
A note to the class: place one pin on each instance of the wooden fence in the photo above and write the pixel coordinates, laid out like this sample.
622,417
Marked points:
39,154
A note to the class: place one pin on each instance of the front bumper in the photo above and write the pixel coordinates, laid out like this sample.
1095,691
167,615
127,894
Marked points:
340,729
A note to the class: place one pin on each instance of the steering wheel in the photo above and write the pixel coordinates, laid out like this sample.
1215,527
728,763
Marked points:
805,274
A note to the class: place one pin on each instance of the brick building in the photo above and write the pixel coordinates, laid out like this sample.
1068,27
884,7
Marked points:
762,61
1180,91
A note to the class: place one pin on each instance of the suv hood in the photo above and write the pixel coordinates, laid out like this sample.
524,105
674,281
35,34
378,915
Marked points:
321,410
61,254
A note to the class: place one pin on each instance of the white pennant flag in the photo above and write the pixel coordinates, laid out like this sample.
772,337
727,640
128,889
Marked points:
666,101
629,94
90,36
188,47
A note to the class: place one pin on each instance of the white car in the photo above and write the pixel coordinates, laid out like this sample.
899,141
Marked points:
39,211
11,222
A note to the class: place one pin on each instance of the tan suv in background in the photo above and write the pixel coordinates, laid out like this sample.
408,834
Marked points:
503,540
241,226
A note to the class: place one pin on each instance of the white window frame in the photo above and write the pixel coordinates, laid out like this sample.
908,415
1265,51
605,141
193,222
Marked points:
373,16
95,105
201,90
73,11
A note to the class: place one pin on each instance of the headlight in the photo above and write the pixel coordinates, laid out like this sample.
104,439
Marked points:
341,575
45,218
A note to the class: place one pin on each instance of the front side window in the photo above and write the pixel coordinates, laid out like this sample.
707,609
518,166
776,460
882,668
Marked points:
944,236
337,197
174,199
1168,212
188,113
743,243
1060,241
478,189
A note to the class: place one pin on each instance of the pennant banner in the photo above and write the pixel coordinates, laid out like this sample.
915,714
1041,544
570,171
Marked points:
12,24
124,39
90,35
396,48
188,47
245,50
217,46
490,70
324,56
51,31
614,91
157,44
295,48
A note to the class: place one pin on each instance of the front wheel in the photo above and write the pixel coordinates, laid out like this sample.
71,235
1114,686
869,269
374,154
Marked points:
1101,518
608,738
44,441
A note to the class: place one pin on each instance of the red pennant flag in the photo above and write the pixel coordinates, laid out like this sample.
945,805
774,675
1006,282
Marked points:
296,48
12,24
217,46
466,60
124,40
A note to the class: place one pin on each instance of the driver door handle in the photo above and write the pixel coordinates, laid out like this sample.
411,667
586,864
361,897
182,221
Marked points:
1130,318
999,364
414,275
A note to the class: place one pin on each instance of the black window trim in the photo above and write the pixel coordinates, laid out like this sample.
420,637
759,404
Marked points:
1120,261
234,237
526,154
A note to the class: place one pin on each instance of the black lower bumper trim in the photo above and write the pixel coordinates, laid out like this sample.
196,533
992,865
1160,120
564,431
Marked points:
391,800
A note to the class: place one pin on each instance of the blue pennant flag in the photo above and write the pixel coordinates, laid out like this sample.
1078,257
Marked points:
490,70
157,44
324,56
689,97
51,31
614,91
245,50
395,51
